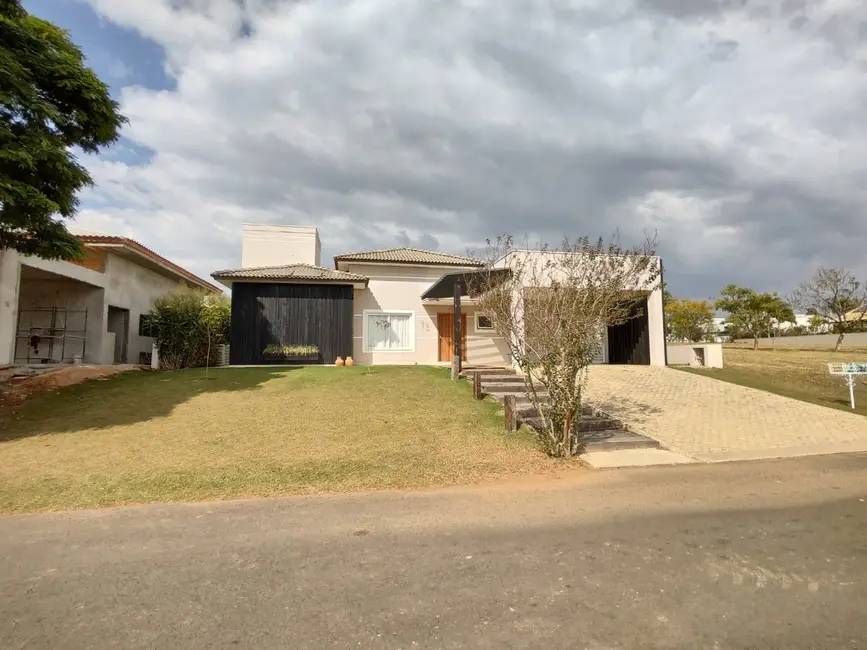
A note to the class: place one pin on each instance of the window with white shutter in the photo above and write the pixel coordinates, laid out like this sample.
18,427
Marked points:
389,331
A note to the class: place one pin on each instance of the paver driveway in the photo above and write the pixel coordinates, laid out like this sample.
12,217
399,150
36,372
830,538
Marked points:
713,420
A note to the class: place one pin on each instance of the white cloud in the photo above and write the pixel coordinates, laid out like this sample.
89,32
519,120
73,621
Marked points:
735,132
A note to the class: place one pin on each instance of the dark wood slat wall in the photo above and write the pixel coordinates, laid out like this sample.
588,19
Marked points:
629,342
290,314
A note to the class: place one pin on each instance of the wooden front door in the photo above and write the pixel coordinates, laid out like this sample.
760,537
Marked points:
446,329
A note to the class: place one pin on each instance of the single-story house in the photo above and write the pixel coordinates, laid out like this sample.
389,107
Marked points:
54,311
857,315
388,306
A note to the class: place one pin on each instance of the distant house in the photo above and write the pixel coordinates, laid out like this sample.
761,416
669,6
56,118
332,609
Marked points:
856,315
803,322
386,306
58,312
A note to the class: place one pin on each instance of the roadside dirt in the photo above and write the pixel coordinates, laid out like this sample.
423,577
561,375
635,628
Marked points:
20,388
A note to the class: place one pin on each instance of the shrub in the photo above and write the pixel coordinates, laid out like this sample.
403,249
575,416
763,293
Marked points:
187,326
290,350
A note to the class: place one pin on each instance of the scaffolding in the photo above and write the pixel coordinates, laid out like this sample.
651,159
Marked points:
48,329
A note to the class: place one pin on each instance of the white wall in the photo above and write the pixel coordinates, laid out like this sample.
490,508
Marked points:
710,354
656,327
394,287
9,272
263,245
655,312
852,339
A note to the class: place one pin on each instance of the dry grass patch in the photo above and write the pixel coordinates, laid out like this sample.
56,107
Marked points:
797,372
252,432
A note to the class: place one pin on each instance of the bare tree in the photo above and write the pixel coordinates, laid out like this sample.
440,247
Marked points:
836,296
551,307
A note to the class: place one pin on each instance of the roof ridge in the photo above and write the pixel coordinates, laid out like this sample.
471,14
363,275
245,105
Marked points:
279,266
406,248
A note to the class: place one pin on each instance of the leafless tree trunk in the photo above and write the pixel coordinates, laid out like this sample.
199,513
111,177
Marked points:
551,306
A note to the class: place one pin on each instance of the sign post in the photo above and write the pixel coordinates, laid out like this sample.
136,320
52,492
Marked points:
849,371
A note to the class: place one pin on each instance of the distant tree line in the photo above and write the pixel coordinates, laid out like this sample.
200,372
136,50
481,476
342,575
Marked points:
834,299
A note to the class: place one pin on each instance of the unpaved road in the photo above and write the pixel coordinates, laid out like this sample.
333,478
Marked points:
753,555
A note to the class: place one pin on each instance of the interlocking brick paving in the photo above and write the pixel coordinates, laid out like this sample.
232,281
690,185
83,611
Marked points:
714,420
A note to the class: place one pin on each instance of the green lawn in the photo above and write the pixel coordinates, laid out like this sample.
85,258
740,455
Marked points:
800,373
175,436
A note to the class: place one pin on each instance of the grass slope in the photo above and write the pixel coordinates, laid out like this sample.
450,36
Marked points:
175,436
799,373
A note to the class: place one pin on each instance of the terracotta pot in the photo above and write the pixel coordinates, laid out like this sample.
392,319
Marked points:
338,361
349,361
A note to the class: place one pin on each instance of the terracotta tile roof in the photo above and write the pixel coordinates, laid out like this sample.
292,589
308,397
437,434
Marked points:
289,272
408,256
111,240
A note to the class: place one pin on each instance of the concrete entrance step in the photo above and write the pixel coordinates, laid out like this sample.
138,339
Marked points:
588,424
510,389
616,439
501,372
524,405
609,439
502,379
613,459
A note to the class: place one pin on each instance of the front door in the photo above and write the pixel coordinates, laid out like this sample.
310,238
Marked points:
446,329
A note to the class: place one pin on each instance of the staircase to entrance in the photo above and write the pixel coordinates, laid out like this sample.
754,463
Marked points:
599,431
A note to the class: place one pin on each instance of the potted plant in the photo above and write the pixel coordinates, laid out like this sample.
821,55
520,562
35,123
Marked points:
290,354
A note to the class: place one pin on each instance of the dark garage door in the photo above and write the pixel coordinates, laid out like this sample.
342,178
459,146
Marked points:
290,314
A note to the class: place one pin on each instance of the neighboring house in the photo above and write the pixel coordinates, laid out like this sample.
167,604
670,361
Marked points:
857,315
389,306
802,321
57,312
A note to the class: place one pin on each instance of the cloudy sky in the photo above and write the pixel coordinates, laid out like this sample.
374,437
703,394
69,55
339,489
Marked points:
736,129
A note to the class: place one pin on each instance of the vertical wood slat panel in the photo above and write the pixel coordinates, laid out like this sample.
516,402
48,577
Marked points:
290,314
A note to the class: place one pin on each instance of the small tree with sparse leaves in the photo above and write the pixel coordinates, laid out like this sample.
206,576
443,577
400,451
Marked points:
551,307
836,296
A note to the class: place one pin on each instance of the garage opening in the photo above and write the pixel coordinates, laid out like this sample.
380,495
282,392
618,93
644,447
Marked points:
629,342
55,318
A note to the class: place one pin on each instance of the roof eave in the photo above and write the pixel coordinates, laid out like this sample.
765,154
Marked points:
229,280
99,241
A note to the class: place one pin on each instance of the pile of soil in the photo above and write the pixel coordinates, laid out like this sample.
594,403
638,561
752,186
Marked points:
20,388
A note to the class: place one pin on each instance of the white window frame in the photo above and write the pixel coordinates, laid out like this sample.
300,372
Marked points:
483,330
387,312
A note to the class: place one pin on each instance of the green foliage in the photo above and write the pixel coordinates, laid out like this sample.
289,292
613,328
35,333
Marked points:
753,314
50,103
290,350
187,326
667,297
838,297
689,320
816,323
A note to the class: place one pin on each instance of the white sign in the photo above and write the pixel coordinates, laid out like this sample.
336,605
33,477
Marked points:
849,371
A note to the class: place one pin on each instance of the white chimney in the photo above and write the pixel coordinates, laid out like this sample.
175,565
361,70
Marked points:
278,245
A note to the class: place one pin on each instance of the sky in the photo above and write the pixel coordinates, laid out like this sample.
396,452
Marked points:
734,130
